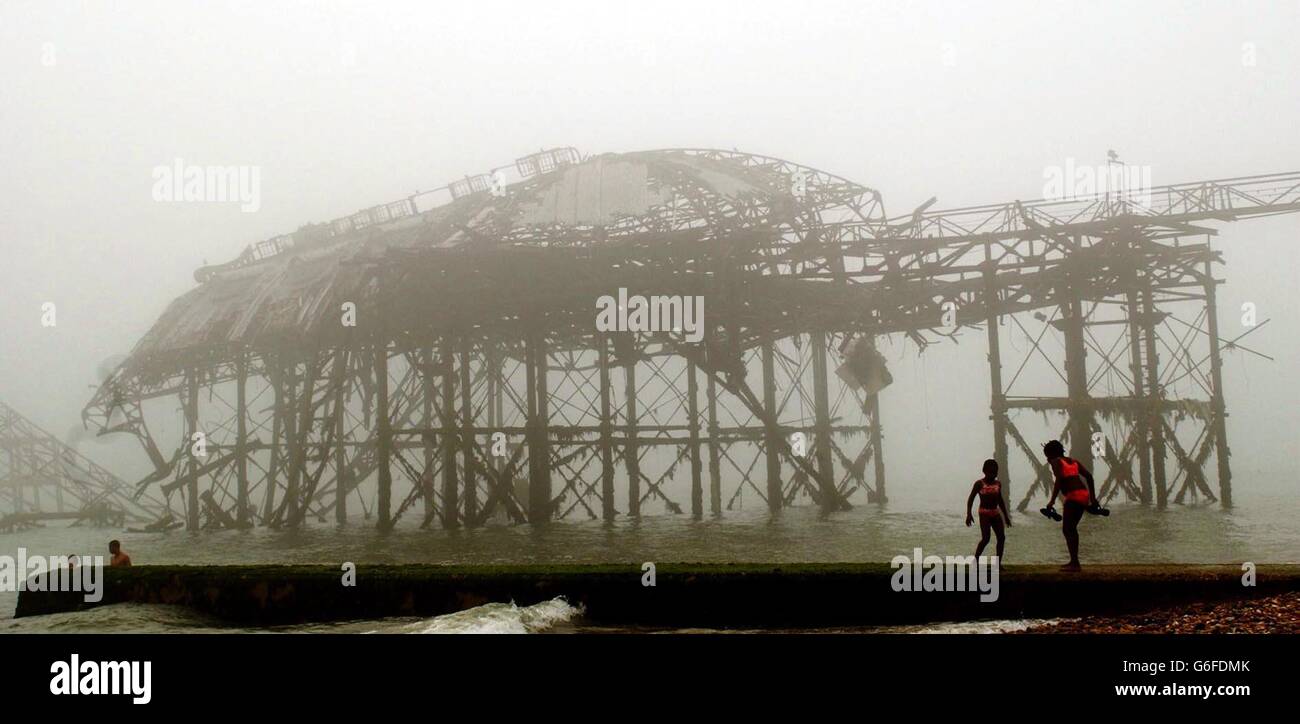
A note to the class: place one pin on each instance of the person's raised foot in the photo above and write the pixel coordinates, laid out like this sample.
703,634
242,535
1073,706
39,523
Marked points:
1071,567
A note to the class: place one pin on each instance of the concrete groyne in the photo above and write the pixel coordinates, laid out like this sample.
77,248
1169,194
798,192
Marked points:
707,595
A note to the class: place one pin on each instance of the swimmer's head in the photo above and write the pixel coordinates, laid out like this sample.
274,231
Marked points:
990,468
114,546
1054,449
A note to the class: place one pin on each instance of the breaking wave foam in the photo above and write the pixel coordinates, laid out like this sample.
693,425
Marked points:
500,618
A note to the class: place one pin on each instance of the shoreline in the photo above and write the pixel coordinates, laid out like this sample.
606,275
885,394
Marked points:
1279,613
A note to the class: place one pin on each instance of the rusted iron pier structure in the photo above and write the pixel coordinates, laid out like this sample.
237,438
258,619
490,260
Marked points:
44,479
438,359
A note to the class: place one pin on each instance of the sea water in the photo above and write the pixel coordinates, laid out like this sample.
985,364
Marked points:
1260,529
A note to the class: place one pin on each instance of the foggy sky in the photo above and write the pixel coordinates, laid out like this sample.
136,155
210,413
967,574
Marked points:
343,106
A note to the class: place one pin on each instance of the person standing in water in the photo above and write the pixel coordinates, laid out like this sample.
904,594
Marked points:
993,508
119,556
1079,496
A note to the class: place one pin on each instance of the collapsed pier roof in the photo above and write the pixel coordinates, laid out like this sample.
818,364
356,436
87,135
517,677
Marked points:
290,287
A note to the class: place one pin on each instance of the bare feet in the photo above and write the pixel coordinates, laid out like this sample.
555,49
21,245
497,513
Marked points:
1071,568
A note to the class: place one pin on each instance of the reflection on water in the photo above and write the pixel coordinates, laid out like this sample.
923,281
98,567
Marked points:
1132,534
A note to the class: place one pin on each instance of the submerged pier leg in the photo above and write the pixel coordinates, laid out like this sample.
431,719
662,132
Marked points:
715,450
341,477
693,413
1218,405
1140,418
1079,408
828,494
428,439
997,393
269,481
877,444
192,465
539,457
631,451
383,439
302,430
772,433
291,447
447,427
606,433
1154,406
241,439
467,431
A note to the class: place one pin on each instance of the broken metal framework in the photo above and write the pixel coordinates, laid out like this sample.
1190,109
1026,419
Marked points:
41,479
475,386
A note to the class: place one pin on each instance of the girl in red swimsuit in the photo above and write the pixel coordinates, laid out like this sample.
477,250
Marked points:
993,508
1075,486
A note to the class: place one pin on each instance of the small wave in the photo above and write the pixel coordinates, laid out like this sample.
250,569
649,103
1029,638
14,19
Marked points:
500,618
119,618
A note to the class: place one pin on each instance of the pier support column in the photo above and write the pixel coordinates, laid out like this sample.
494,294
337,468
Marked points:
383,439
291,447
632,451
192,465
539,456
828,494
447,437
606,433
772,433
241,439
300,434
1079,407
341,478
269,481
876,432
495,403
467,433
1218,405
877,448
1140,417
715,450
997,393
693,413
1154,406
429,440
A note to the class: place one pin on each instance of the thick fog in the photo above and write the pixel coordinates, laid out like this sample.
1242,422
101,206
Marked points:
342,106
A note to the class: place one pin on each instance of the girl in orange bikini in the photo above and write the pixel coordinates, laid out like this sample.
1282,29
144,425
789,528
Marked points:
993,508
1079,497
